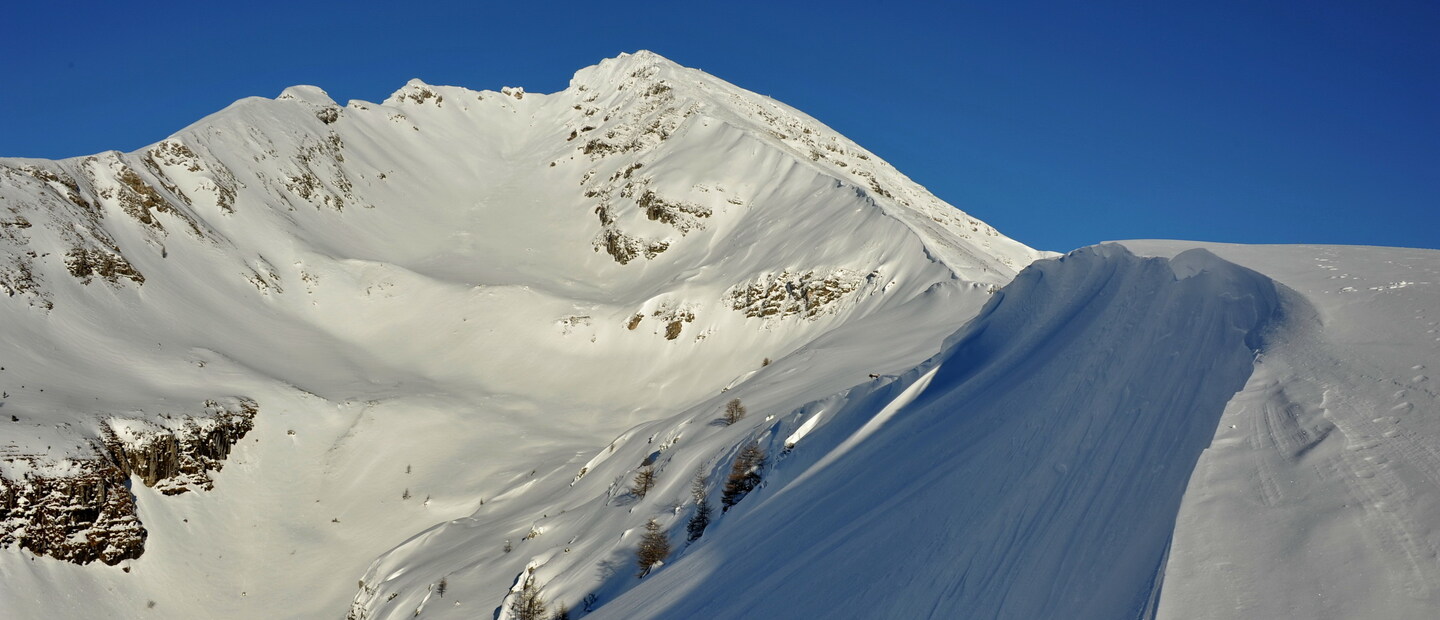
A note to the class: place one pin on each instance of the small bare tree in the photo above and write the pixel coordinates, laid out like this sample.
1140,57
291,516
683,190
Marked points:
527,604
644,481
734,411
654,548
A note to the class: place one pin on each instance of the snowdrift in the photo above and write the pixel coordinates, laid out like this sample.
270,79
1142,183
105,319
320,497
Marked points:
1320,494
1037,475
1033,469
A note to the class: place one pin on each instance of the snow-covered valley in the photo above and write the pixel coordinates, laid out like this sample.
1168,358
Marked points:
400,359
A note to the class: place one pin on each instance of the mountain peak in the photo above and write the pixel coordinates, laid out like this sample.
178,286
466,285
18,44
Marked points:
643,58
458,241
627,67
306,93
414,91
308,318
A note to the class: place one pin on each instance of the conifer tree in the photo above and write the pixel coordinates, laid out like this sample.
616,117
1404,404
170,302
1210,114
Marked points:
744,475
701,519
654,548
527,604
734,411
644,481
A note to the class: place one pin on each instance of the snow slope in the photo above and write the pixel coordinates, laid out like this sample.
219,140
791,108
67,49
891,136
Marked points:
1113,436
1313,496
1320,495
1033,469
466,319
430,300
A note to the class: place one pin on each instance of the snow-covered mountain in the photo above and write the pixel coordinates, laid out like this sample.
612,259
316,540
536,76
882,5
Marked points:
1138,430
293,300
410,358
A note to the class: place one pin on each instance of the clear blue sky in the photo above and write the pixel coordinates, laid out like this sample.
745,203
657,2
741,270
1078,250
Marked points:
1061,123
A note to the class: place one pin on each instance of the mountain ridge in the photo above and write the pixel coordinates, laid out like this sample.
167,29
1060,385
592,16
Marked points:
421,354
477,261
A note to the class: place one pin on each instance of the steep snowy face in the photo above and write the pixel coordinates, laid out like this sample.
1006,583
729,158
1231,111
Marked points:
646,203
1318,495
1033,469
297,285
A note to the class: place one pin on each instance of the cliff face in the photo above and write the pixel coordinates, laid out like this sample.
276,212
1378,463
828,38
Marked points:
80,515
177,458
81,510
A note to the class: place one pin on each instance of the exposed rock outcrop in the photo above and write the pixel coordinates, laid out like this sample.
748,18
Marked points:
806,294
77,511
81,510
176,455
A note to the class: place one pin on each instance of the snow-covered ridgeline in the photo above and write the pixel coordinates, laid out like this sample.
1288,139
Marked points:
486,310
1318,495
524,275
659,215
1035,466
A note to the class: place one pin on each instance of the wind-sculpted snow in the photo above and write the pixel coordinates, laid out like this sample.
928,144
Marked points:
1037,475
1031,470
1320,494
